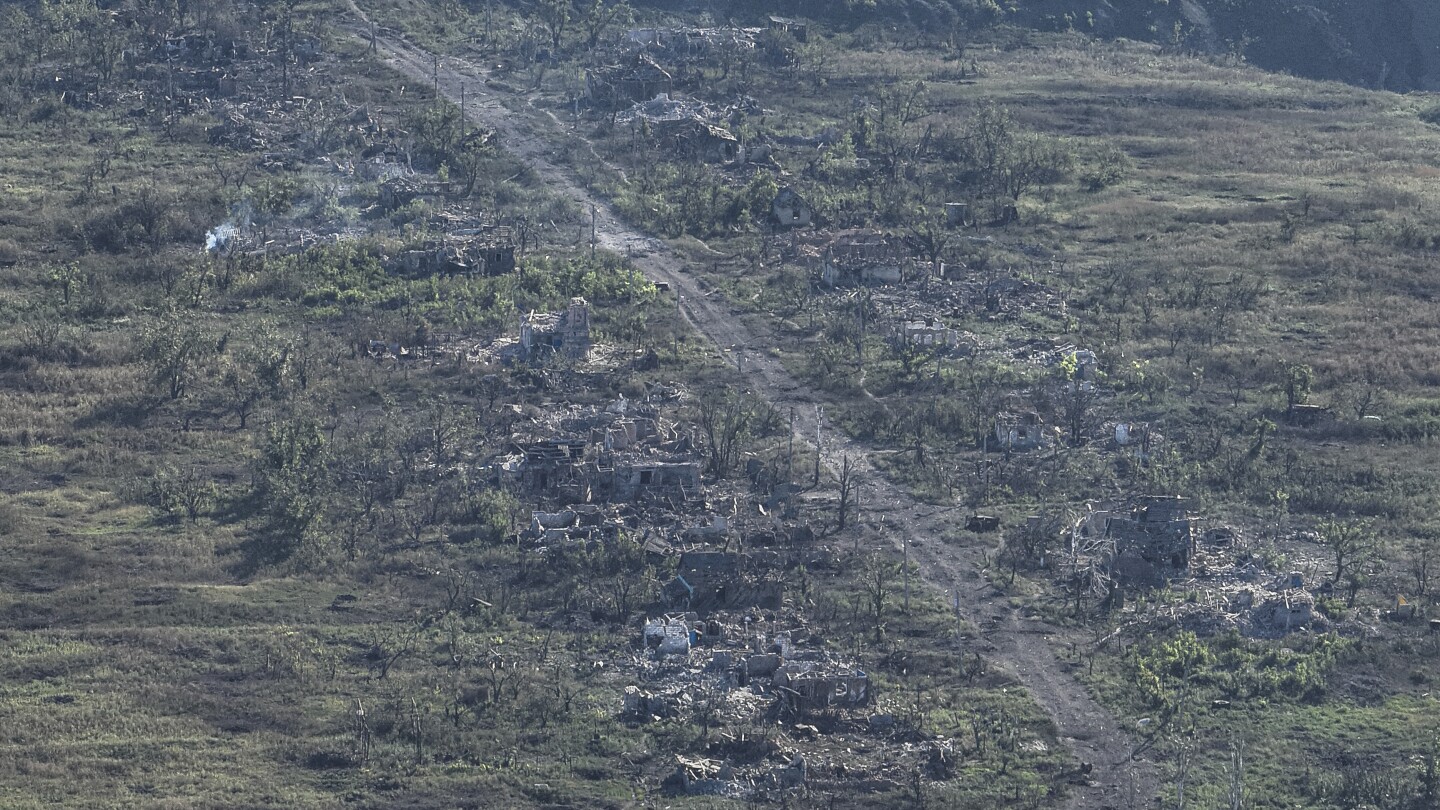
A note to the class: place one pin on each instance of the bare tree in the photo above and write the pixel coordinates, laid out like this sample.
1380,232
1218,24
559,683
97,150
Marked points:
726,421
1077,402
1423,558
599,15
1237,775
555,18
879,583
849,488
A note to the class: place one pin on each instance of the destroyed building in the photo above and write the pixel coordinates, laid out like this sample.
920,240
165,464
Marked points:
714,580
581,522
929,333
551,334
686,42
656,479
696,139
799,30
809,686
703,777
1015,295
479,251
790,209
1153,537
670,635
622,453
863,257
398,191
1085,364
1019,432
637,79
665,108
554,468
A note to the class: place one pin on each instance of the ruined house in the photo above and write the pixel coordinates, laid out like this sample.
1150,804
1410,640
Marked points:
665,108
487,252
795,28
580,522
696,139
565,334
806,686
399,191
929,333
1019,432
1015,295
714,580
1154,538
863,257
1086,363
671,634
638,79
1288,610
555,468
702,777
790,209
688,42
1306,415
645,478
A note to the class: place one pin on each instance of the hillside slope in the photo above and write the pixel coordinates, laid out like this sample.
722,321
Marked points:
1389,44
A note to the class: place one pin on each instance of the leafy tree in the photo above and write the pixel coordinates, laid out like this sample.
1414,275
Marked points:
599,15
64,276
172,352
291,478
1007,162
1298,379
554,16
1352,544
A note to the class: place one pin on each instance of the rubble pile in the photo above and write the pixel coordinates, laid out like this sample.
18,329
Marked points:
735,670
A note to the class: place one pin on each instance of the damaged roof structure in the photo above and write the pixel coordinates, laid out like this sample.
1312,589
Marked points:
556,334
487,251
1020,432
686,42
623,453
694,138
1153,538
743,673
790,209
864,257
716,580
638,78
929,333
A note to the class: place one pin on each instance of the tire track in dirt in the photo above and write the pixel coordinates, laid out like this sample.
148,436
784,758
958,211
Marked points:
1015,643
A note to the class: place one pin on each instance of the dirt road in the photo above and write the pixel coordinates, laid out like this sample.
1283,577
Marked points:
1014,643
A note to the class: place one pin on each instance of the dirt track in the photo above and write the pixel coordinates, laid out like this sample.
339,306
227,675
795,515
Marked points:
1016,644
